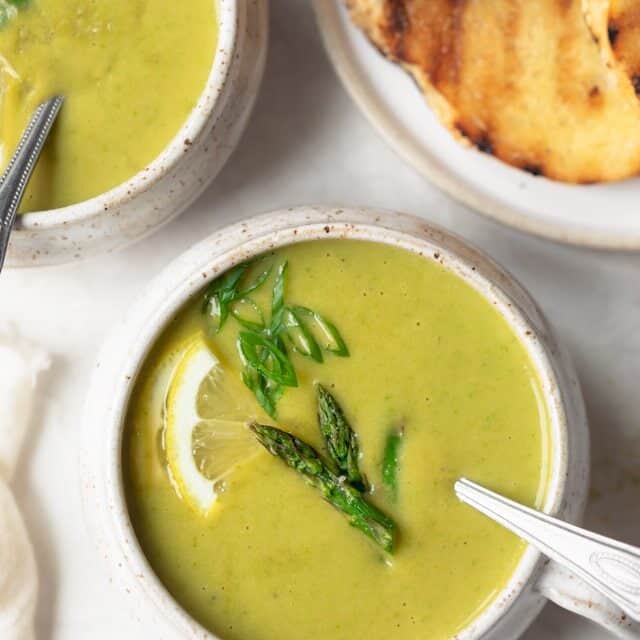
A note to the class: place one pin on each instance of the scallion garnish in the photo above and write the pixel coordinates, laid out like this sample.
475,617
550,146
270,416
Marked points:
264,346
226,290
328,335
391,461
9,9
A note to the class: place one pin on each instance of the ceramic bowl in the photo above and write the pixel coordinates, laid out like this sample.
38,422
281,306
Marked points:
179,174
533,582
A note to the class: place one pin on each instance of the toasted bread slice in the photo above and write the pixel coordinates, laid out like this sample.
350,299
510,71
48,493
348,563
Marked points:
525,81
616,23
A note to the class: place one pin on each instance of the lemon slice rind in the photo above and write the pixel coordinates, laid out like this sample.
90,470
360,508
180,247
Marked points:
205,434
181,417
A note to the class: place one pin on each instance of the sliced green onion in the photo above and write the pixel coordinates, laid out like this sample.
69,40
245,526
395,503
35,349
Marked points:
221,292
301,338
259,280
224,291
264,346
248,314
267,393
277,301
328,335
260,351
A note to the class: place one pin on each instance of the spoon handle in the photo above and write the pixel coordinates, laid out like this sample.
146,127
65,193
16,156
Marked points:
611,567
18,172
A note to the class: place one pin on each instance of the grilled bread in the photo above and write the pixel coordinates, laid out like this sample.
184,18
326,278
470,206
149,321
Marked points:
536,84
616,24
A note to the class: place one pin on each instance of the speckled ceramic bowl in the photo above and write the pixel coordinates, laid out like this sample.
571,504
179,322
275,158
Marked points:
533,582
173,180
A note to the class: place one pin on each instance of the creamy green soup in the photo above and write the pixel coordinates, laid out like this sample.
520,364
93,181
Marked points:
131,72
429,358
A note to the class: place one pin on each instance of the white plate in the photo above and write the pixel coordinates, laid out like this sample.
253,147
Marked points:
606,216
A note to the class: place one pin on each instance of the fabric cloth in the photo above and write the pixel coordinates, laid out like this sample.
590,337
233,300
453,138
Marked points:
20,364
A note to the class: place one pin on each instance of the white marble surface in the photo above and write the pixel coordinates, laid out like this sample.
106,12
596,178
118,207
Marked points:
306,143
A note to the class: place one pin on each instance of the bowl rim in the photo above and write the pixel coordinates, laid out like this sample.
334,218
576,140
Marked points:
189,273
210,101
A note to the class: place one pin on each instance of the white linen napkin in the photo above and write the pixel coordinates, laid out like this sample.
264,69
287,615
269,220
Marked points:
20,364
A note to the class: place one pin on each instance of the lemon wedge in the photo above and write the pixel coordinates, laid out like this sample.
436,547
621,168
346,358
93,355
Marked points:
205,432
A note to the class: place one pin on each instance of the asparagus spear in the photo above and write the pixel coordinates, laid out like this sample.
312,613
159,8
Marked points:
347,499
391,461
341,439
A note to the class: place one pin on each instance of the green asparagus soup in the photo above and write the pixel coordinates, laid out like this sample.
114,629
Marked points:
293,439
131,72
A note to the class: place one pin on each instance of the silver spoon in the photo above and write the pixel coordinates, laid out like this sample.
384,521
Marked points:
17,174
609,566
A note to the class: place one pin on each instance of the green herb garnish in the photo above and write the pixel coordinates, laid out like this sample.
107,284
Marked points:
248,314
226,290
327,334
9,9
277,300
266,391
391,461
300,337
340,438
265,347
307,461
262,353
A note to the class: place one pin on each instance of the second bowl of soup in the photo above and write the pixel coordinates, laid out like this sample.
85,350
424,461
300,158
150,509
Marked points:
156,96
283,436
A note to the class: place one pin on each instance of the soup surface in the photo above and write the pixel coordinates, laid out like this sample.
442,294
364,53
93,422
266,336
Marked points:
131,71
272,559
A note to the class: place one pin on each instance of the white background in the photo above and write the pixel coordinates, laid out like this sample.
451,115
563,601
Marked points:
306,143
